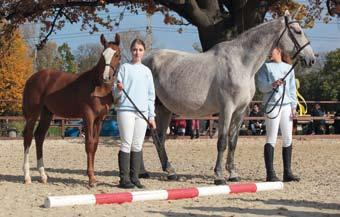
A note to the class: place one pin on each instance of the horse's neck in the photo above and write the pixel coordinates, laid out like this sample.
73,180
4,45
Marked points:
258,42
91,73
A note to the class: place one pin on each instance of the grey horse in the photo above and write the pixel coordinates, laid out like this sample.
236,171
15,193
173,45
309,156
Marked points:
221,80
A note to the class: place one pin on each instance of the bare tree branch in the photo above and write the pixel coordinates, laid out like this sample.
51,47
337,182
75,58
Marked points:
43,42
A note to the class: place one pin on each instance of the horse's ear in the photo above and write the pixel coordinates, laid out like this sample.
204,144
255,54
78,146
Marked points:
296,12
287,14
103,40
117,38
101,91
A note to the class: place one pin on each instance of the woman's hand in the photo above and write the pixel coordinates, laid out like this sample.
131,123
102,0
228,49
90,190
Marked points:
152,123
120,86
293,114
277,83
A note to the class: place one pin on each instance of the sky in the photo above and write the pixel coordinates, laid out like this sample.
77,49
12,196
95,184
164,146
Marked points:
323,37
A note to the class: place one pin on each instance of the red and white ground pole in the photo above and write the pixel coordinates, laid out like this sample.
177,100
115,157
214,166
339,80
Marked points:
171,194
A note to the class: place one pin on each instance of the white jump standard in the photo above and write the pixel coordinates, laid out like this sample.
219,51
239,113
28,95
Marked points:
171,194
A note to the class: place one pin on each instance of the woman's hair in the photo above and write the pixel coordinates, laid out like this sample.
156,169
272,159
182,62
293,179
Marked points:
286,57
137,41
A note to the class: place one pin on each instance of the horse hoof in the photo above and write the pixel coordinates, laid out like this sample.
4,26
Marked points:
220,182
145,175
43,179
27,181
172,177
92,184
234,179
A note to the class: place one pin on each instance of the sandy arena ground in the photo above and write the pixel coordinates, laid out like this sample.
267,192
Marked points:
317,161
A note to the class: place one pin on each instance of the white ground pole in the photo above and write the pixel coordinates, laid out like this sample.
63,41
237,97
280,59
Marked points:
170,194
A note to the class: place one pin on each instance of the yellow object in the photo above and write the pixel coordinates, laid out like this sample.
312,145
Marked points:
302,105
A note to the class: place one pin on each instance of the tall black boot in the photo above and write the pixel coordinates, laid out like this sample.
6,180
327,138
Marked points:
287,171
197,133
124,167
142,172
268,160
136,159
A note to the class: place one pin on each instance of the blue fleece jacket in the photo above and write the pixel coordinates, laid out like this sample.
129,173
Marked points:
137,81
271,72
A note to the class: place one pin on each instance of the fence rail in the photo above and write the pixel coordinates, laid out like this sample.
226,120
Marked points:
63,123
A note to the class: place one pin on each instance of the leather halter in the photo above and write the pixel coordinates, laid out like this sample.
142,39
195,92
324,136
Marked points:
299,49
297,46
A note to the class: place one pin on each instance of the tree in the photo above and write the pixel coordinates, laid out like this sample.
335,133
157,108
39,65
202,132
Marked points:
323,84
16,65
216,20
48,57
87,56
330,76
67,59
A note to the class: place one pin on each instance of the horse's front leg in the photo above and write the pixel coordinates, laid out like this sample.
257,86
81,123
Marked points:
230,165
223,126
90,149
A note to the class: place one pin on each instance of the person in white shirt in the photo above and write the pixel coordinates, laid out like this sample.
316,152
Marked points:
269,78
137,81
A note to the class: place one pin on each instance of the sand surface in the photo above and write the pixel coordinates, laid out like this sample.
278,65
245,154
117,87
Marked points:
316,161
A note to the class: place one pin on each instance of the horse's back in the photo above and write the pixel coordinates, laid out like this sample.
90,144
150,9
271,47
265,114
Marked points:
163,57
41,84
183,81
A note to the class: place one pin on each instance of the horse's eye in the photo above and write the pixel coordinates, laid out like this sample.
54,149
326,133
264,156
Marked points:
298,32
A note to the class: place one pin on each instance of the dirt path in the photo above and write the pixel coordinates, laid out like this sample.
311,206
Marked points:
316,161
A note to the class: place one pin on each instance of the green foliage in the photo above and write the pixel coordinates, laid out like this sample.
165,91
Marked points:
54,57
323,84
47,58
67,58
87,56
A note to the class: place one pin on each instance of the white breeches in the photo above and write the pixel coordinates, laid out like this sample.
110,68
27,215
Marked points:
283,121
132,128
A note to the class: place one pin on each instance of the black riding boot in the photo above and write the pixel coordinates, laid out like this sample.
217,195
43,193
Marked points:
268,159
197,133
142,172
124,166
136,159
287,171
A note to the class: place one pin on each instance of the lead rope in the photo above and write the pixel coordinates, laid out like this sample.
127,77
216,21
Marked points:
275,90
154,134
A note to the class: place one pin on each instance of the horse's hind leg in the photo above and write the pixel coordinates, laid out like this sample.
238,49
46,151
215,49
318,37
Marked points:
28,135
234,128
223,128
163,118
39,135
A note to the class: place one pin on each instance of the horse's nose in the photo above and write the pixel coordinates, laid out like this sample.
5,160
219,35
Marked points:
311,61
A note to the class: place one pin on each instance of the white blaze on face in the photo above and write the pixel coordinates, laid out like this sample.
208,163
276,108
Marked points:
108,54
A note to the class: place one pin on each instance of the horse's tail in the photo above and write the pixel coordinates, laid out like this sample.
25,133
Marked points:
25,97
31,97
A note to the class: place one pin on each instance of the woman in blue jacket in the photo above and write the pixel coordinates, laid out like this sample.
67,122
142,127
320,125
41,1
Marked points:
137,81
268,78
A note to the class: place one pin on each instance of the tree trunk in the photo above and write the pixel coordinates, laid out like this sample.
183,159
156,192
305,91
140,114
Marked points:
218,20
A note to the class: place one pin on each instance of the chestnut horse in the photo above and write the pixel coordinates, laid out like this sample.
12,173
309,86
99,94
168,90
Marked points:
85,95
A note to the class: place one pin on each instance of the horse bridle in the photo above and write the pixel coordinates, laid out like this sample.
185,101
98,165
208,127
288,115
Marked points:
115,71
299,49
297,46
